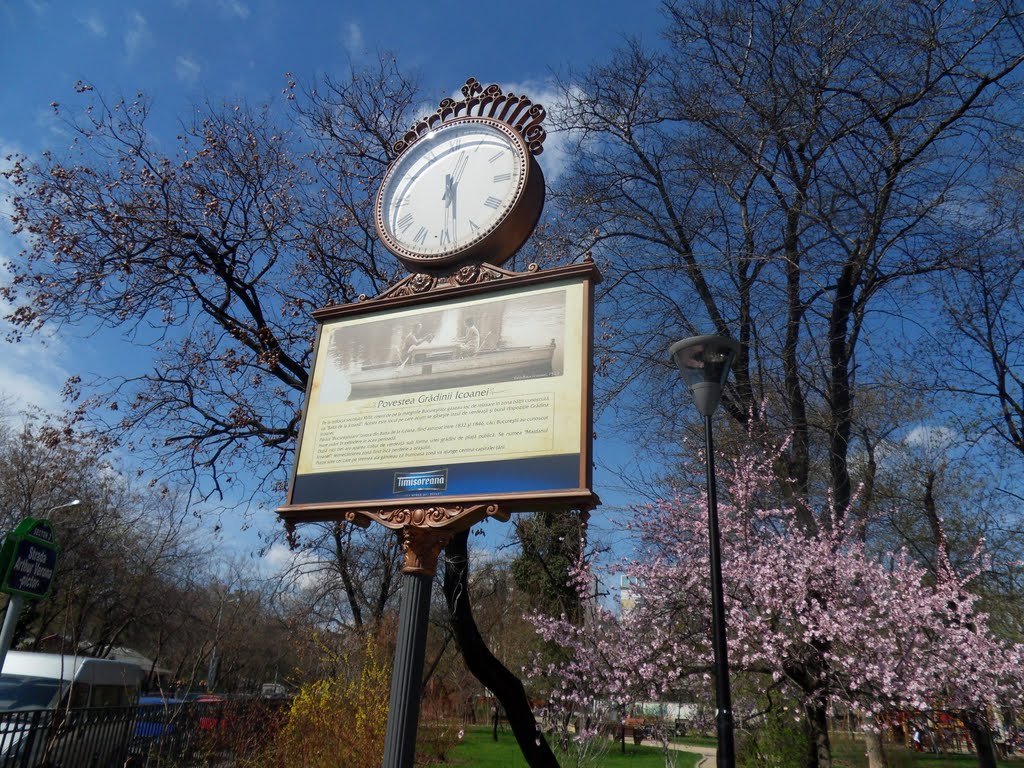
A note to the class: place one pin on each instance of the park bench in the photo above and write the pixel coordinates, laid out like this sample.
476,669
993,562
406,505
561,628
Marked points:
634,727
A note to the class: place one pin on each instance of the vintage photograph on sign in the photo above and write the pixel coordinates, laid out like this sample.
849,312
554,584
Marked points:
521,337
478,396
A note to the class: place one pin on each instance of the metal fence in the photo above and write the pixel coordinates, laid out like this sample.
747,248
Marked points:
177,735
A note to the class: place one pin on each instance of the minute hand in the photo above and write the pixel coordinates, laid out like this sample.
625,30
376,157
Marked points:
460,166
449,209
451,188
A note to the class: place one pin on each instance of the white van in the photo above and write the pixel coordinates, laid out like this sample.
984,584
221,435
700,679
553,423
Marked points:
55,708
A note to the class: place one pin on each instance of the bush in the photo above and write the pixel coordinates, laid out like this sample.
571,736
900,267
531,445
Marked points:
440,729
780,741
335,723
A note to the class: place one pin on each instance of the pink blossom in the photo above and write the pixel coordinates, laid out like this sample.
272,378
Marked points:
825,617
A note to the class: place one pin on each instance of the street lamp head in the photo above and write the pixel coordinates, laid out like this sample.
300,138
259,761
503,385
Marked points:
705,362
72,503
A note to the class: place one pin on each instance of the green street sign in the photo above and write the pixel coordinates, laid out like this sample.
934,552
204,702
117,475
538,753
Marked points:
28,559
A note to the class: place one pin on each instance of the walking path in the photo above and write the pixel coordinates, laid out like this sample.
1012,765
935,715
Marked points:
707,753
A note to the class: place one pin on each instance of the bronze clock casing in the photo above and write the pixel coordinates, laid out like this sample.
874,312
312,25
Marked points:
498,244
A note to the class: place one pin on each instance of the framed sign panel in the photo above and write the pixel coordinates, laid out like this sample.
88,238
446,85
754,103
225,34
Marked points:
480,393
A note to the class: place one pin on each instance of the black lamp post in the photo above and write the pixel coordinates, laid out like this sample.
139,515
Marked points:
705,362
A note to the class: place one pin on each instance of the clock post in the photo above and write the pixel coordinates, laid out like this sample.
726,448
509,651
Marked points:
463,392
422,548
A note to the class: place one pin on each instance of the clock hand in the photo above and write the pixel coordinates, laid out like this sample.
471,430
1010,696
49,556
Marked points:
452,183
449,192
460,167
455,189
449,209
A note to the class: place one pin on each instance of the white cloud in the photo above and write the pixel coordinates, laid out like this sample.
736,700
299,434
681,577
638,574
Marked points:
555,158
21,383
31,373
30,370
931,443
6,203
302,567
138,32
187,69
94,24
352,39
933,439
234,8
7,192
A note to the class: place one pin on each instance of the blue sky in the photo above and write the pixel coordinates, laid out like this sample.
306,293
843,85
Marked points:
184,51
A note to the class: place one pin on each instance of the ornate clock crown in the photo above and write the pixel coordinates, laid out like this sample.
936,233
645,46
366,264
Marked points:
518,112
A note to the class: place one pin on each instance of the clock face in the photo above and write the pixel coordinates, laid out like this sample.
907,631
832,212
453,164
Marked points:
451,189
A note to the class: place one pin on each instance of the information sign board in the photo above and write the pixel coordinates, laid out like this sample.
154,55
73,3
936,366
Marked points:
28,559
475,394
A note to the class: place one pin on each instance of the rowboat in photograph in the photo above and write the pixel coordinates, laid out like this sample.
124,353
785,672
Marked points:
437,366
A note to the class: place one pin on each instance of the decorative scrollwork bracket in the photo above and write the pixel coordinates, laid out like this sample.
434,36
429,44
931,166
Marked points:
470,274
519,112
426,530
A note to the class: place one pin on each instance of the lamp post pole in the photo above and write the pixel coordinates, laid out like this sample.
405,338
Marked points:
14,605
705,362
723,696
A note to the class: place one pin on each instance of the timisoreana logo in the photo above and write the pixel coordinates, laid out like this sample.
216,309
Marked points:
408,482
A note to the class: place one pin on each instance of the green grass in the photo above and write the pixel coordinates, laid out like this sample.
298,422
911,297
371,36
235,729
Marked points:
478,750
849,753
697,741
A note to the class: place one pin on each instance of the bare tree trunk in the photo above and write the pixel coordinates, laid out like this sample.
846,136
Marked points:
982,736
481,662
819,747
875,750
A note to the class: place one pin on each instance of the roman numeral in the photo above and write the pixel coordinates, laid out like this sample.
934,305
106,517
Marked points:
496,156
492,202
473,226
421,236
502,177
405,222
445,238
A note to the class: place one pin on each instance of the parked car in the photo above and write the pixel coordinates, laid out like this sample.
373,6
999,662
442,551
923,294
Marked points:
68,710
212,714
161,729
273,691
157,717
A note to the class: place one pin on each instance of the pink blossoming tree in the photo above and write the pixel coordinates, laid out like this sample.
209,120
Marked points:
822,618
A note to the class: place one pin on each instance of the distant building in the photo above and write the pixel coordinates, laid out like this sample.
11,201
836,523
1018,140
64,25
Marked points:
627,595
